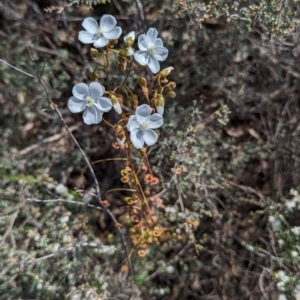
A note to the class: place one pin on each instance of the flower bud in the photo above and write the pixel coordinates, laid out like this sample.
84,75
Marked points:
172,85
172,94
134,102
129,38
160,105
143,85
122,63
113,98
94,76
142,82
116,102
94,53
126,52
165,72
121,134
142,253
125,179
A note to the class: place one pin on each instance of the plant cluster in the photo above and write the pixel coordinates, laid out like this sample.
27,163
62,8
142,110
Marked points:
201,182
274,17
137,123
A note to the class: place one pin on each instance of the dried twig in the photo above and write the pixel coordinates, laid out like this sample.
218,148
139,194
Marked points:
261,283
6,63
64,201
140,9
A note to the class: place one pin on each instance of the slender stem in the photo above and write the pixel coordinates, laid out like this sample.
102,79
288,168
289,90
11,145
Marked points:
128,73
107,123
107,64
147,163
136,180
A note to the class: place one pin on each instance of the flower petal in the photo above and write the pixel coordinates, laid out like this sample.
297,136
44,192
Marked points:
158,43
96,90
143,112
80,91
76,105
156,120
113,34
161,53
86,37
136,137
132,123
104,104
150,137
143,42
90,25
153,64
92,115
101,42
152,35
107,23
142,57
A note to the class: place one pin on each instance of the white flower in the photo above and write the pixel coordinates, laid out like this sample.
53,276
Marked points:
281,275
141,124
99,35
296,291
296,230
170,269
151,50
290,204
275,222
294,253
281,286
90,100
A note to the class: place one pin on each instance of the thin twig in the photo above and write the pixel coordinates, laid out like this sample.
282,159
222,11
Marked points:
77,245
140,9
64,201
261,283
6,63
248,189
